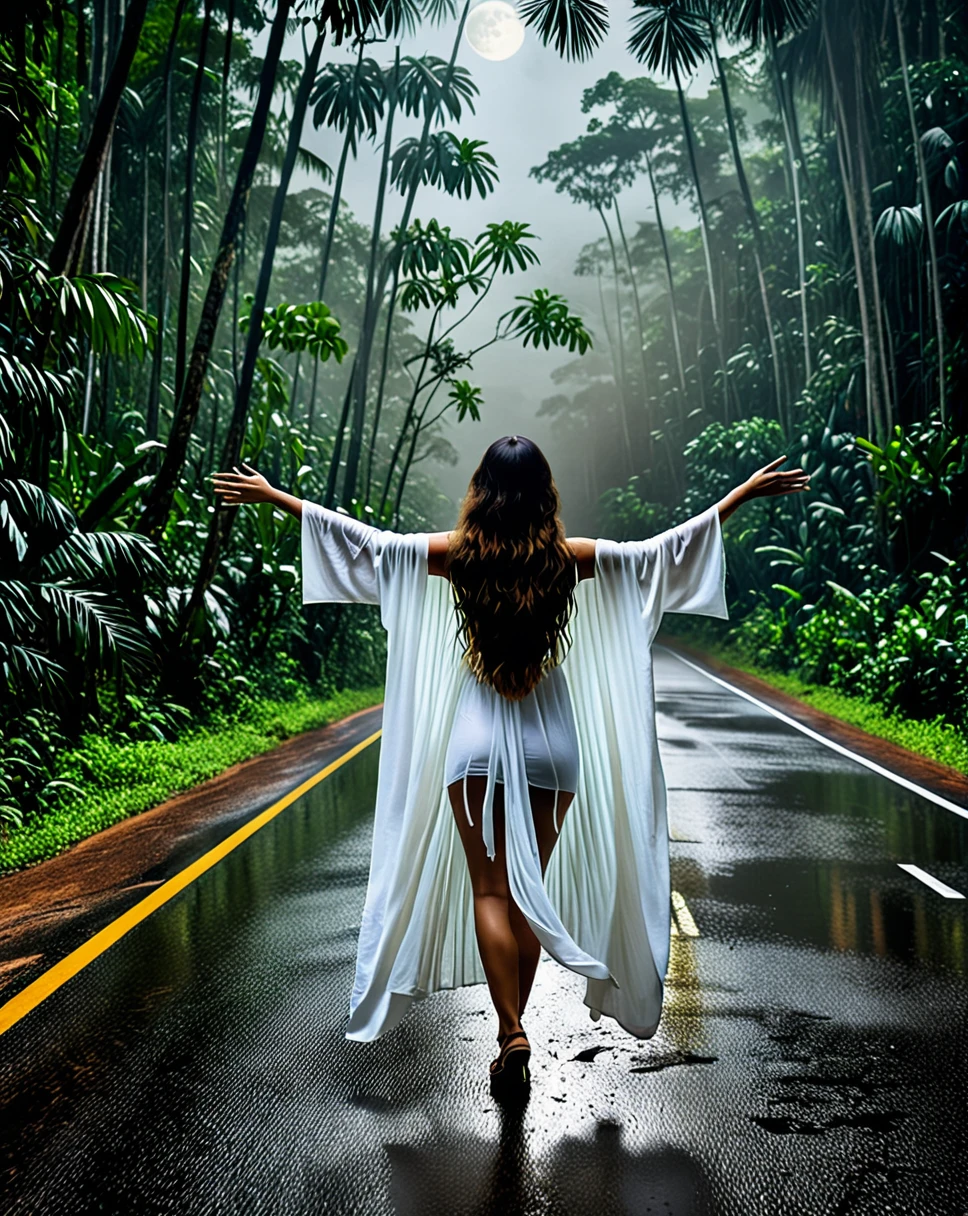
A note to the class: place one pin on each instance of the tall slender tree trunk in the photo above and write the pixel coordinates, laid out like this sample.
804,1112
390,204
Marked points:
612,350
58,111
371,305
797,207
104,256
927,212
410,412
327,250
670,282
223,104
223,517
348,143
158,505
188,202
381,388
754,221
362,352
65,253
623,369
157,362
843,157
704,232
862,145
145,200
640,329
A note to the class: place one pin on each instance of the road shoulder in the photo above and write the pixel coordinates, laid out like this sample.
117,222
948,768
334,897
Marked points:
938,778
48,910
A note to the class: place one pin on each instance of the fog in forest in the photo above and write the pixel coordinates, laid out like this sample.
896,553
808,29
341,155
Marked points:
528,104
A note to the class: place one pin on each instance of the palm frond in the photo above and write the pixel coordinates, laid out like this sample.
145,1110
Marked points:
576,27
98,555
94,627
765,21
30,671
34,508
668,38
309,162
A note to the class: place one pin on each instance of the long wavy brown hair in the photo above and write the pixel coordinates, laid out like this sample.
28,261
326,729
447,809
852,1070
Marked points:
512,572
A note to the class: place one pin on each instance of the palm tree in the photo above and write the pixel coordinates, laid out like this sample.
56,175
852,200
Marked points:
539,319
351,100
433,86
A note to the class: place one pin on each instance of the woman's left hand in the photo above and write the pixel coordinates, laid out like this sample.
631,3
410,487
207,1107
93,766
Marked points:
767,482
237,487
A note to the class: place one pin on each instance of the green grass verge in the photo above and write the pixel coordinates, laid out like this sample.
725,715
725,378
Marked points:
120,780
936,739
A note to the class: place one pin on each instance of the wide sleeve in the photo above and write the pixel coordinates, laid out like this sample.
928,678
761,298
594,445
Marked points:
680,570
339,558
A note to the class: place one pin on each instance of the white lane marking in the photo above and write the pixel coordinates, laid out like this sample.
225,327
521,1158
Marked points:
929,880
812,734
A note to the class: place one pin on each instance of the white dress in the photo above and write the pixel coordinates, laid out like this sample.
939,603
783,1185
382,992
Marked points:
549,736
603,908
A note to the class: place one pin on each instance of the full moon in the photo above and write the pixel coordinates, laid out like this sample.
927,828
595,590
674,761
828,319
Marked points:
494,29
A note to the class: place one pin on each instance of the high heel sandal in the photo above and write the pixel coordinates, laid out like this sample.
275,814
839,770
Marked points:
510,1070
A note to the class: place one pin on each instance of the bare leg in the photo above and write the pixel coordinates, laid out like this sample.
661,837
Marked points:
509,949
489,882
529,948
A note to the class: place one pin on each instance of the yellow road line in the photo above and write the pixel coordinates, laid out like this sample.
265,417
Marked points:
687,925
20,1005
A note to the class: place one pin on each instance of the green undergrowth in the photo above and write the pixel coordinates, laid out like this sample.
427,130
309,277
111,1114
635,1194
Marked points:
937,739
110,781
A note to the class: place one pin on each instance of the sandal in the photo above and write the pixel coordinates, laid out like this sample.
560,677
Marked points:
511,1066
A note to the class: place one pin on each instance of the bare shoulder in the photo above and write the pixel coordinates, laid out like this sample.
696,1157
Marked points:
584,550
437,552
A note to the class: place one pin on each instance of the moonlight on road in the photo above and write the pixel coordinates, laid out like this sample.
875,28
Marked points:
495,30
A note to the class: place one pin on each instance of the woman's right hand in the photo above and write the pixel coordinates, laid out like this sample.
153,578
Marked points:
237,487
769,482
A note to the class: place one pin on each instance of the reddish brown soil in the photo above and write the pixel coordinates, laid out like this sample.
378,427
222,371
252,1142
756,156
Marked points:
49,909
947,782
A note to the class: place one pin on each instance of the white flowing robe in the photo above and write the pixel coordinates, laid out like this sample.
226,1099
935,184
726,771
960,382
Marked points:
603,907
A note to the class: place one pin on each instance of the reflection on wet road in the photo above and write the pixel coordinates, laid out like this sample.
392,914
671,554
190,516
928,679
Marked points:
811,1056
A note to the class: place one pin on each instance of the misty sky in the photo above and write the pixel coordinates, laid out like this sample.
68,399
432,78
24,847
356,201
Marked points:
528,105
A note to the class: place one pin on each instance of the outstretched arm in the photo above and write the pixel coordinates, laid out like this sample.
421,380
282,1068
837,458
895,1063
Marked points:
236,488
767,482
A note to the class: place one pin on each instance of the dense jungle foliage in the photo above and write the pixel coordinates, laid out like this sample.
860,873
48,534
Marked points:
819,307
162,315
169,306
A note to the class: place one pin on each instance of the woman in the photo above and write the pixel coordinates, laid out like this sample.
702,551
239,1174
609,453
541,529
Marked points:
495,730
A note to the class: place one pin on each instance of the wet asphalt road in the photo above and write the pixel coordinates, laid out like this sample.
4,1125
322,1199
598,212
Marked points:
811,1057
